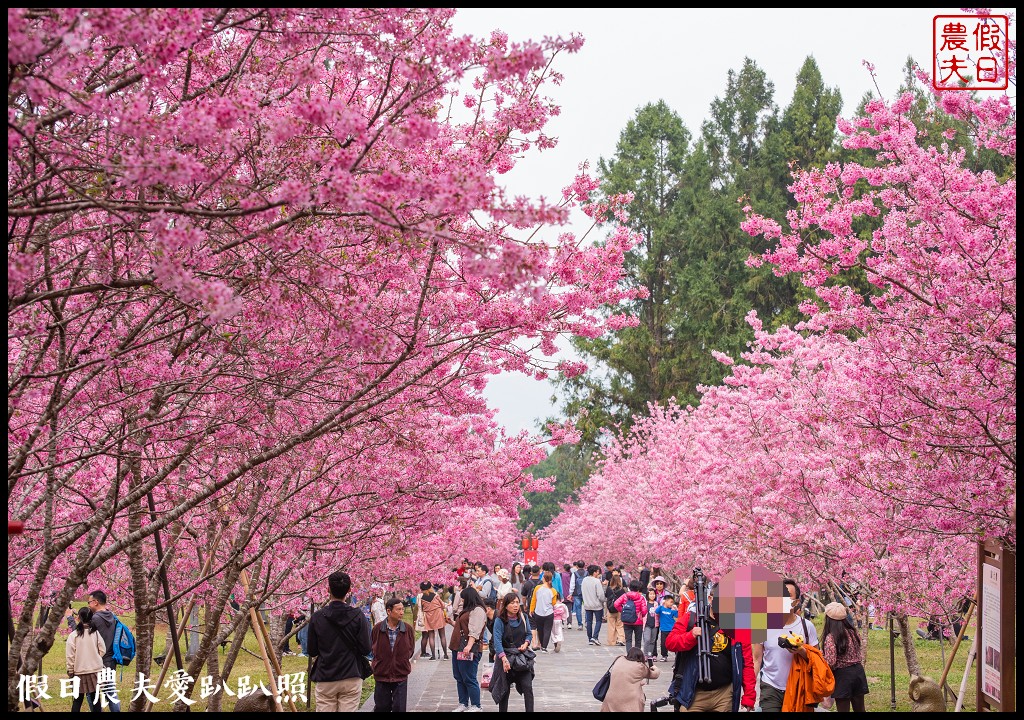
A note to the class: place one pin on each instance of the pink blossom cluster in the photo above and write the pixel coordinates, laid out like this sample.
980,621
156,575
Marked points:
875,442
257,282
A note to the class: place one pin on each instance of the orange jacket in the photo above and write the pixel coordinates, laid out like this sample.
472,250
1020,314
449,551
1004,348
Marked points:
810,681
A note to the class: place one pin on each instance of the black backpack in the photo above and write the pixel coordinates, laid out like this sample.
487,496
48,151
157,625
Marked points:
610,597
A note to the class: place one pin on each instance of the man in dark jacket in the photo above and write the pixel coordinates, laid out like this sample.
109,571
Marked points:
394,643
339,640
105,622
732,667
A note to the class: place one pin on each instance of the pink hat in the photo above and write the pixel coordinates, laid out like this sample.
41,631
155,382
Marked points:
836,611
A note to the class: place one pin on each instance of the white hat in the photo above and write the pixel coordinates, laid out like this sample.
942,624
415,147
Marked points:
659,579
503,574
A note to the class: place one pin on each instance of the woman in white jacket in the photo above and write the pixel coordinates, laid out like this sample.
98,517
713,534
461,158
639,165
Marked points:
84,656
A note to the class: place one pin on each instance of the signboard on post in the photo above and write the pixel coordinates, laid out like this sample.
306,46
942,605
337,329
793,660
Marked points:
997,602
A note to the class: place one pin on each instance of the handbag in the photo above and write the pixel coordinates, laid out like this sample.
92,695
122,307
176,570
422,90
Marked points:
520,661
601,689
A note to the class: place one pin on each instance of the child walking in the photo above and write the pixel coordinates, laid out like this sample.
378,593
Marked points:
667,615
650,639
561,616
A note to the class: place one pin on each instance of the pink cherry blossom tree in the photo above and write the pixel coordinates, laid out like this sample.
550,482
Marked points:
259,270
875,442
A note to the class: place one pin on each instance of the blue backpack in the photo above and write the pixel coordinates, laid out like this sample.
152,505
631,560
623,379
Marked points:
124,643
628,615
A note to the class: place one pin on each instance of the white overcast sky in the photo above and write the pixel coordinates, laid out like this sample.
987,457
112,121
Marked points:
636,56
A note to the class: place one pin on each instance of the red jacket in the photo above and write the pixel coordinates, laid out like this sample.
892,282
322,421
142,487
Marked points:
682,639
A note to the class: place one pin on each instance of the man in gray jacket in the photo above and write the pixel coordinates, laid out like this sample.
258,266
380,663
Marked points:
593,603
105,622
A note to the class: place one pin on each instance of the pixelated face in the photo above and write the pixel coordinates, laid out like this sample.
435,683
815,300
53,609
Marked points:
751,601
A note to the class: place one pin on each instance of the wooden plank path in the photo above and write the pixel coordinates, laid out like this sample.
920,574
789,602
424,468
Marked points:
564,680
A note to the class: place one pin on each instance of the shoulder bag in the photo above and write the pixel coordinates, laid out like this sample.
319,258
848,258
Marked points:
601,689
362,662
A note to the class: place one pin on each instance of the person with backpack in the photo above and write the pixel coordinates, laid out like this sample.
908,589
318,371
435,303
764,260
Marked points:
117,639
394,644
84,655
616,636
339,642
486,584
632,607
577,592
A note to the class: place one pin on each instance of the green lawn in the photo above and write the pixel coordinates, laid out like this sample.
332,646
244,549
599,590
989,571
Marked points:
878,700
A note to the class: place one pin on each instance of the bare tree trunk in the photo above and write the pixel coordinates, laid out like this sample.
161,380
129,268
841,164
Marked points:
276,629
213,668
236,645
145,618
909,651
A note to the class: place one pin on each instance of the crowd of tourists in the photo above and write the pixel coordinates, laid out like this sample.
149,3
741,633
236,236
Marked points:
508,615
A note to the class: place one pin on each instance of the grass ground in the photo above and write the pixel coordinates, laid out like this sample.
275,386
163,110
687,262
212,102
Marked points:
250,663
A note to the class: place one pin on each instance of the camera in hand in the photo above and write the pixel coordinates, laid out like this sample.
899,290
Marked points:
791,641
660,703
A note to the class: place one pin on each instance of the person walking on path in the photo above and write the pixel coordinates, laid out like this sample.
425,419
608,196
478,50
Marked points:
616,635
660,587
842,651
517,578
579,573
434,619
531,584
542,610
339,635
561,614
511,637
643,575
732,681
667,614
569,588
105,623
686,596
467,648
632,608
84,656
505,584
775,662
651,625
630,673
593,603
394,644
378,608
